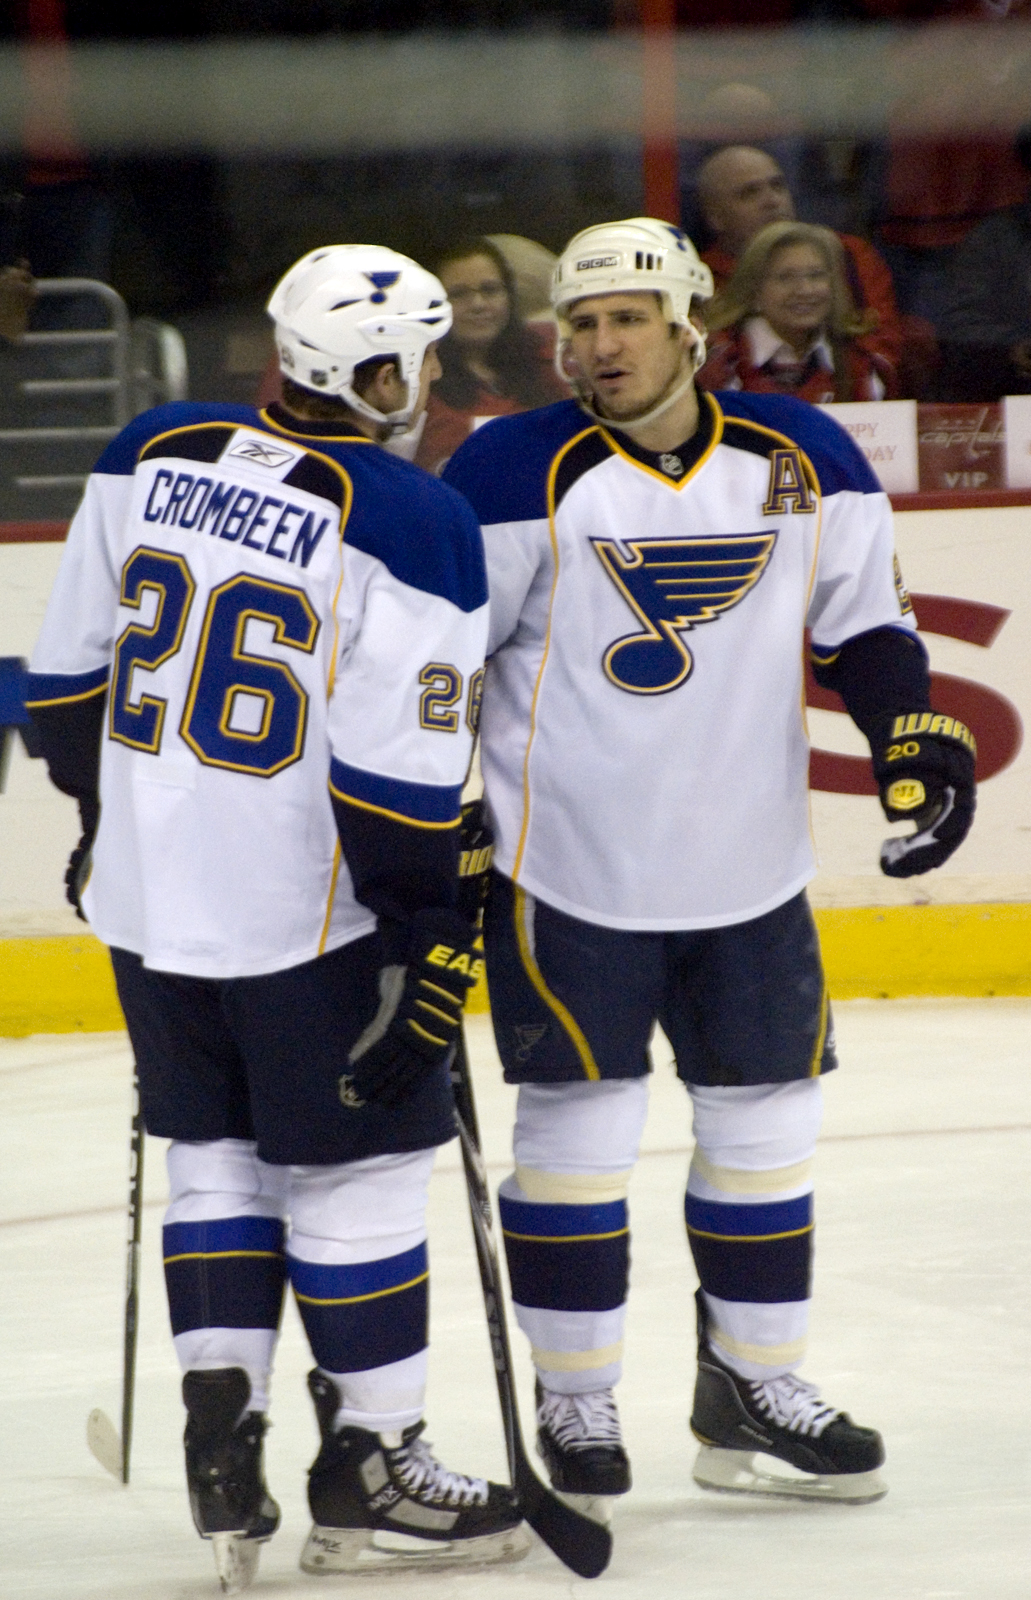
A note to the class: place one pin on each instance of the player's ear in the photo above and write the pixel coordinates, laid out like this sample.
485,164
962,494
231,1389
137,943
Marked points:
385,389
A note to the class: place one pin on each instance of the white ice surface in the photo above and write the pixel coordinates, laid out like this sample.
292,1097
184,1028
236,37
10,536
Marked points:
921,1326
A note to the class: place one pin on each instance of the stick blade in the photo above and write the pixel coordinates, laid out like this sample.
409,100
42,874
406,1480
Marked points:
582,1545
104,1443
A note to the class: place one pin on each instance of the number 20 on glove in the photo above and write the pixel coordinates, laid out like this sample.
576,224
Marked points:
924,766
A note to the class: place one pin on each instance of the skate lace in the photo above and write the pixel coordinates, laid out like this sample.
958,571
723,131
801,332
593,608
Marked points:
422,1474
580,1421
793,1404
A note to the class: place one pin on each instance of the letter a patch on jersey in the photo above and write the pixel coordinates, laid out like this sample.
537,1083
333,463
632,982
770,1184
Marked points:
672,585
789,489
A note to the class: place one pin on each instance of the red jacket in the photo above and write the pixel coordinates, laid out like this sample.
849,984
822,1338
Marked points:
870,282
729,365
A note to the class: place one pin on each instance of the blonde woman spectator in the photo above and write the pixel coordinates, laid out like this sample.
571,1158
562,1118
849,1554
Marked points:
786,323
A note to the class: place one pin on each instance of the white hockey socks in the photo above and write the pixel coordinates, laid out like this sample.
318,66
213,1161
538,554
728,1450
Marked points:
359,1268
749,1212
566,1228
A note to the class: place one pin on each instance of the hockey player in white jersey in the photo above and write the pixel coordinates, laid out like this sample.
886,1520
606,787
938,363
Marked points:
258,674
654,556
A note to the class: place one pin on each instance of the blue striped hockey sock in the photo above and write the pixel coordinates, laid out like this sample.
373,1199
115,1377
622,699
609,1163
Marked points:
225,1280
754,1262
364,1314
569,1267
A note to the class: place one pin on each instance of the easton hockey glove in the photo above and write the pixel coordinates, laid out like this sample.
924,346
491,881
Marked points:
420,1013
476,853
924,766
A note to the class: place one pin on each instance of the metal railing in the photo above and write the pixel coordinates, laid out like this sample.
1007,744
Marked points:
146,362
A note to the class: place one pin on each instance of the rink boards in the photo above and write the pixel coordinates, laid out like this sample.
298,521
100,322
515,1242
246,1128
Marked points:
965,930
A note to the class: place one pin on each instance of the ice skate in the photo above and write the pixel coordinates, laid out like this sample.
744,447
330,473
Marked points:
228,1498
776,1436
381,1502
580,1442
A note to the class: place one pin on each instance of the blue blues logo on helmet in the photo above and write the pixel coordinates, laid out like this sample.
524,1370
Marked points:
347,303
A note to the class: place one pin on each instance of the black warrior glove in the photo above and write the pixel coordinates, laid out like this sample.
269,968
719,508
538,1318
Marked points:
420,1013
924,766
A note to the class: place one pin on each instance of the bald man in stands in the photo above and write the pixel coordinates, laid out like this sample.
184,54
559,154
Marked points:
740,190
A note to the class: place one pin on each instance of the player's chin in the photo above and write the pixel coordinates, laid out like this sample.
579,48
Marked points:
617,399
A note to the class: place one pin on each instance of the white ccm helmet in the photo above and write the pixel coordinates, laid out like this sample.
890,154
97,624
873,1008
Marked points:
345,303
627,257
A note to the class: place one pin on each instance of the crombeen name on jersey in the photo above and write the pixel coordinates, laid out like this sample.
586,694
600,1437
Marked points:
228,510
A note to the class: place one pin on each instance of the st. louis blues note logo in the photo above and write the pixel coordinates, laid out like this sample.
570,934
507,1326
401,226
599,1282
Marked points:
672,585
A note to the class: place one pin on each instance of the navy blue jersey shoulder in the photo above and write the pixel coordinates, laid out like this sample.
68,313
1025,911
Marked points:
502,469
423,532
838,461
121,455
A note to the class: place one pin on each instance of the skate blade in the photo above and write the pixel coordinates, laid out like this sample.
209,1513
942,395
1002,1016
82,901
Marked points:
236,1560
599,1507
370,1550
752,1472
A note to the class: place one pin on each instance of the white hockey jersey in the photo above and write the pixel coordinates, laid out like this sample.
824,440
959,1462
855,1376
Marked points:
644,743
270,610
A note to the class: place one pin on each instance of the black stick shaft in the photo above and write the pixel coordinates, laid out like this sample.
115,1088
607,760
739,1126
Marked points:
132,1273
581,1544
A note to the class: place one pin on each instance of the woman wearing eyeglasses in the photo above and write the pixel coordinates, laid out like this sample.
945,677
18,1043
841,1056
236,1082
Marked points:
785,323
494,363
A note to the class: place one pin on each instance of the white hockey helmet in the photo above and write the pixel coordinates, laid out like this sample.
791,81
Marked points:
345,303
627,257
638,254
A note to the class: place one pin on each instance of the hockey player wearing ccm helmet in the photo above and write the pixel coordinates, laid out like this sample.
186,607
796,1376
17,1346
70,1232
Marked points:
260,628
654,557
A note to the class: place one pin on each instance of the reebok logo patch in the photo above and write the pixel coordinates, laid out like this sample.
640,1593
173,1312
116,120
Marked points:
261,452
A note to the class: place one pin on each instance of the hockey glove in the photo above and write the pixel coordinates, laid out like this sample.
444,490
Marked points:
924,767
416,1027
80,861
476,849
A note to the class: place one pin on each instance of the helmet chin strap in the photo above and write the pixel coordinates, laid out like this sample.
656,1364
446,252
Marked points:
696,357
393,421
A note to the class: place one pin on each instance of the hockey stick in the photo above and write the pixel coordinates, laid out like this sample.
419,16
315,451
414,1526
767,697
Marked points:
584,1546
113,1452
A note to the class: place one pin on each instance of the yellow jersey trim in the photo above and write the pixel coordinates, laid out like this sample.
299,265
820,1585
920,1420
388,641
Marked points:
334,875
327,438
383,811
676,484
70,699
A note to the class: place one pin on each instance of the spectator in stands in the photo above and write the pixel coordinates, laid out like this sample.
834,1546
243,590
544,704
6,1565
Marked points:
986,325
494,363
786,322
741,190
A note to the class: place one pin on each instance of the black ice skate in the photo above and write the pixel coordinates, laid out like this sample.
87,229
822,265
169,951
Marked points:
737,1420
383,1501
230,1503
579,1440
